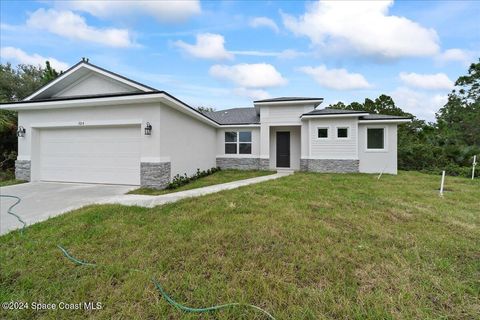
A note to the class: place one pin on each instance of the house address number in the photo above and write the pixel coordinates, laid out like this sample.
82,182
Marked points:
81,123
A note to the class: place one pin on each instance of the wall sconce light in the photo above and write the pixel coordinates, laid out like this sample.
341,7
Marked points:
21,132
148,129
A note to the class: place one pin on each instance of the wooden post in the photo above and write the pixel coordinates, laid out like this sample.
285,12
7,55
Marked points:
442,183
473,167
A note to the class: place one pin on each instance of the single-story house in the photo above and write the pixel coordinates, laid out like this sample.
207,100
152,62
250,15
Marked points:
94,126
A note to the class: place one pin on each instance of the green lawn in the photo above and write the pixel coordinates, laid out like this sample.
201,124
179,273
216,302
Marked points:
4,183
218,177
306,246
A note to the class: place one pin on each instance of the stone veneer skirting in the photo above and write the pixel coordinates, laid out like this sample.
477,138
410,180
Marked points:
22,170
155,174
243,163
329,165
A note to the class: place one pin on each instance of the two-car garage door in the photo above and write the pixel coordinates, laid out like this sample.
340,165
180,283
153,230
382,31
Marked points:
104,154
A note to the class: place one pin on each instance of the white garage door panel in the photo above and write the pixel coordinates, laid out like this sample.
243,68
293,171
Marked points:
91,154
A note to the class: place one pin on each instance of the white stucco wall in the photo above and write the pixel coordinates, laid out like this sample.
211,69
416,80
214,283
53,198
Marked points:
220,142
295,146
375,161
35,120
186,142
332,147
92,84
279,115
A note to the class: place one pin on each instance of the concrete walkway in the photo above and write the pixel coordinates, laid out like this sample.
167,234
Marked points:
152,201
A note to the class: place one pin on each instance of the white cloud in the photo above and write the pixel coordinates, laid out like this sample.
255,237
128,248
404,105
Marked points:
456,55
437,81
365,27
70,25
14,54
208,46
338,79
164,11
285,54
257,75
254,94
422,105
264,22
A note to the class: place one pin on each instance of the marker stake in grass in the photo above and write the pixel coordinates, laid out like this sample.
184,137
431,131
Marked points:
473,167
442,183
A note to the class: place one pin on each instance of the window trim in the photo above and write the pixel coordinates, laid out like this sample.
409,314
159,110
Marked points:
385,138
238,143
343,127
322,127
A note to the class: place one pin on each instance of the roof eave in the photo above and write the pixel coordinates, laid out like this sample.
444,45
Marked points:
333,115
158,96
398,120
316,102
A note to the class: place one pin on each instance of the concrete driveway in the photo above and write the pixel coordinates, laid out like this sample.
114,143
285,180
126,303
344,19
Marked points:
41,200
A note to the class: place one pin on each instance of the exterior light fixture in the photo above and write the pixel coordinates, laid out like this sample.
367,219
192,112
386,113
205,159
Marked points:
148,129
21,132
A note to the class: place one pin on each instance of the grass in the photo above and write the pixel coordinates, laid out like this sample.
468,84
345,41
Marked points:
218,177
306,246
7,178
4,183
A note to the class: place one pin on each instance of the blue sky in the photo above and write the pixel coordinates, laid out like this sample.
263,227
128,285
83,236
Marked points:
227,53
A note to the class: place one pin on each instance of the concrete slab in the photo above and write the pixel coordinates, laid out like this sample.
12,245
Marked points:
152,201
41,200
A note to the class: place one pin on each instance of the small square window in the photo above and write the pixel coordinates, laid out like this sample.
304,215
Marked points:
342,132
230,148
323,133
375,138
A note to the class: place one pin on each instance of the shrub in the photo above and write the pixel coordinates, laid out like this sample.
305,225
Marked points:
180,180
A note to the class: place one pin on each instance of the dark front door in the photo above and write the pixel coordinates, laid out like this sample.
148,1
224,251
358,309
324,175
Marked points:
283,149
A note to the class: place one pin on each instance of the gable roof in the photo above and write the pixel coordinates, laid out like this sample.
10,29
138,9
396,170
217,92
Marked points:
77,72
234,116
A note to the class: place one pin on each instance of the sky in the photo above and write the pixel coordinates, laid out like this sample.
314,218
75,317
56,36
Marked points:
226,54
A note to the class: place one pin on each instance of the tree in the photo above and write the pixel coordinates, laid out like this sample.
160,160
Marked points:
205,109
16,84
459,120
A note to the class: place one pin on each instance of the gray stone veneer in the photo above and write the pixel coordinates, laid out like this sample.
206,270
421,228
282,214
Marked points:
329,165
154,174
243,163
22,170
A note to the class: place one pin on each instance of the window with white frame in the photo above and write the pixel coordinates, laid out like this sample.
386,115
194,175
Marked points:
238,142
322,133
375,138
342,132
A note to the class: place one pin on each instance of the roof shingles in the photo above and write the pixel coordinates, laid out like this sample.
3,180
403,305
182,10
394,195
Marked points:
234,116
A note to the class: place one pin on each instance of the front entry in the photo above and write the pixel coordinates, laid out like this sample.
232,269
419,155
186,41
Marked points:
283,149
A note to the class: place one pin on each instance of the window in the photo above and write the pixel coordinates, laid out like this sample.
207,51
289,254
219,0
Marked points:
238,142
230,142
322,133
342,132
375,138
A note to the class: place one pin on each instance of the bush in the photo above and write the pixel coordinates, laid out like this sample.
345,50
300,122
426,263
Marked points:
180,180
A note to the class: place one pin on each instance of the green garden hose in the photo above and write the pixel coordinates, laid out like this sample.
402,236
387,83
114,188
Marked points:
9,211
155,282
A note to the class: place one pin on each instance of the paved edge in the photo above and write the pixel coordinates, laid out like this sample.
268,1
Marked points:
152,201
